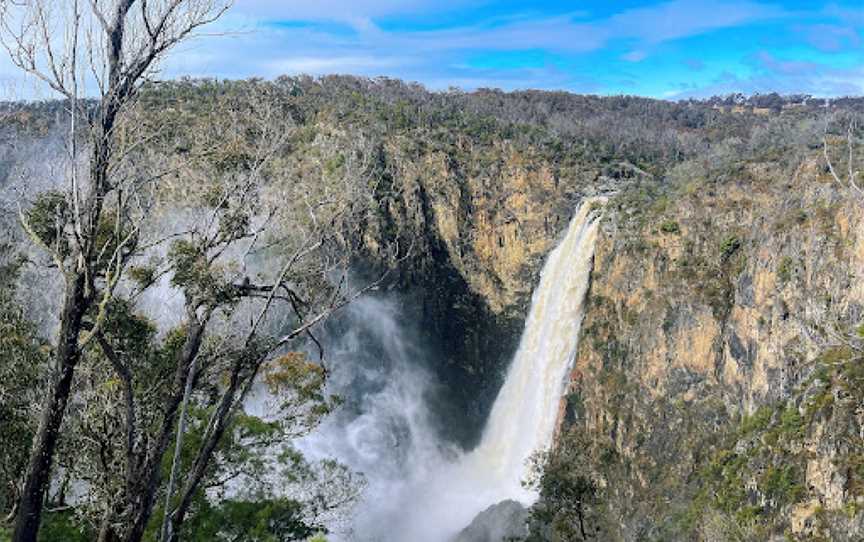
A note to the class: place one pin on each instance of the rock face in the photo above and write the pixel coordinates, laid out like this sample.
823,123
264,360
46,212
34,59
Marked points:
716,377
714,381
477,238
503,522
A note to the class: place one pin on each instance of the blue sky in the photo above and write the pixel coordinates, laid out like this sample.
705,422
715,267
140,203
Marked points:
667,49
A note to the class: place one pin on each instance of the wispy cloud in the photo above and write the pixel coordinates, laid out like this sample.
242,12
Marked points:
338,64
635,56
661,48
314,47
831,37
694,64
784,76
573,33
340,10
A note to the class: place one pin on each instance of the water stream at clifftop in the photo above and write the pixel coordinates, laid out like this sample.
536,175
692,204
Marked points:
421,489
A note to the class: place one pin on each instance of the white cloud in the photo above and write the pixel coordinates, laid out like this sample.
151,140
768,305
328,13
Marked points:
323,65
339,10
257,45
786,78
682,18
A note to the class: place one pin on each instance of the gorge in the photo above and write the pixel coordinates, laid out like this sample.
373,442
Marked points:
421,487
716,300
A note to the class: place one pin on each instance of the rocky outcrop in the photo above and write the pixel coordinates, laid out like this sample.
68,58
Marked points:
501,522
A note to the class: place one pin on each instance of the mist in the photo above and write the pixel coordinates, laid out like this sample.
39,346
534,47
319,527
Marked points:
421,487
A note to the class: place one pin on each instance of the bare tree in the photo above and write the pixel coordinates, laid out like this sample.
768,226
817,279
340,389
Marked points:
845,177
115,44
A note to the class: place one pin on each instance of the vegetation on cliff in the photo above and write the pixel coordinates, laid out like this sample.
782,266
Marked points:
720,331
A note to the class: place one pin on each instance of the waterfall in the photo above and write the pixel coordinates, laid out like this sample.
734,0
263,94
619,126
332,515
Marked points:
524,416
436,492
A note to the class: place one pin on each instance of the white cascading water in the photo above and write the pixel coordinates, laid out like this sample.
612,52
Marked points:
431,492
525,414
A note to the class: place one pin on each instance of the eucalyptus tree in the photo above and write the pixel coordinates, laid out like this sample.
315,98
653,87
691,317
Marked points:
260,259
845,168
255,255
90,225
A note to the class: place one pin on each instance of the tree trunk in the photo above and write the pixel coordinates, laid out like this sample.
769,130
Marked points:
151,477
178,451
38,471
581,514
205,454
107,533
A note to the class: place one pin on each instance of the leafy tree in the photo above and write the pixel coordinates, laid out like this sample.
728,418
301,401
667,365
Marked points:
163,415
569,496
160,414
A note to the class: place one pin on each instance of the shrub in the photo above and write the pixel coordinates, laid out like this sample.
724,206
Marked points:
729,246
782,484
671,227
784,269
569,496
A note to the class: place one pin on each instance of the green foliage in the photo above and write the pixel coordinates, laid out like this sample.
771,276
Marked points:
569,496
111,240
334,164
196,276
64,527
272,520
729,246
143,275
836,355
792,424
233,225
757,421
48,217
760,458
132,334
298,381
785,269
670,227
783,484
23,358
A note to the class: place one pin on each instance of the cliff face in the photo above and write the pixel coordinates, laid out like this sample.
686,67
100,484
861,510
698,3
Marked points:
717,381
716,378
717,384
477,222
